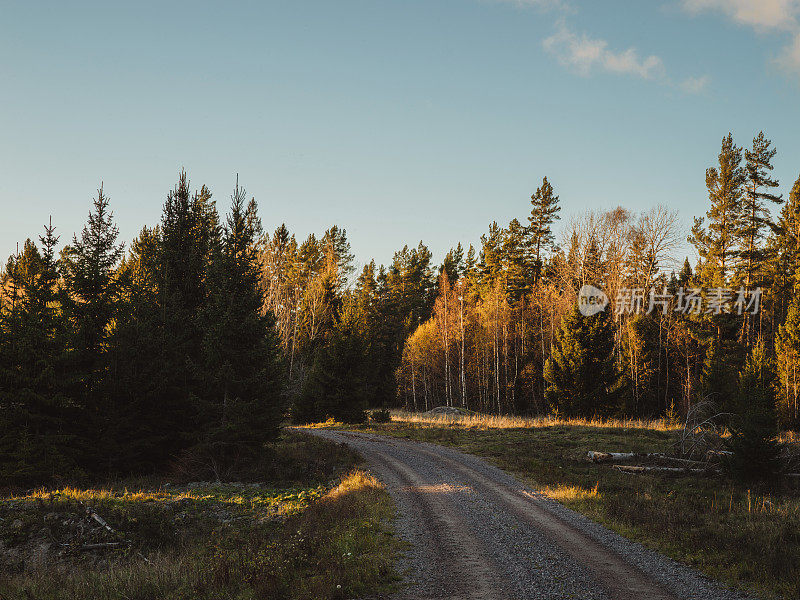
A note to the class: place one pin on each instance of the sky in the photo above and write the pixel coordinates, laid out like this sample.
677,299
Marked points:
400,120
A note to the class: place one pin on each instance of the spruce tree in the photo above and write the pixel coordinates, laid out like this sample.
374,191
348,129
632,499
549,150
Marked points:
582,375
334,242
718,376
189,230
755,451
91,299
147,424
641,351
90,277
37,420
242,370
337,385
686,275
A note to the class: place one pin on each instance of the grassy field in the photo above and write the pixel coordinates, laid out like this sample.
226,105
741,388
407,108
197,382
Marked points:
318,530
746,536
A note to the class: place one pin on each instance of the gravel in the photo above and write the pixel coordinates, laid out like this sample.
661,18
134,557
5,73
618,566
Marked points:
475,532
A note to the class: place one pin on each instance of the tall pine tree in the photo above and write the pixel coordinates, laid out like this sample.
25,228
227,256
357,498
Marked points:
717,245
544,212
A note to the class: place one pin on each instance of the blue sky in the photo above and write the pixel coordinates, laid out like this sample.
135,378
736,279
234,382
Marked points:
398,120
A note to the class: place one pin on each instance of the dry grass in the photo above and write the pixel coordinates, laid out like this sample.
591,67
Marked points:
483,421
571,493
323,542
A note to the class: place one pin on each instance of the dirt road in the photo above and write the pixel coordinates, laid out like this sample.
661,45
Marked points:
477,533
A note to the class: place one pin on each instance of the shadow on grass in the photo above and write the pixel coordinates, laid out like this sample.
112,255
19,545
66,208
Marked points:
211,541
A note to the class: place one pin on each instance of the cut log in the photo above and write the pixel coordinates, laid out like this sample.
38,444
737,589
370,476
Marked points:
598,457
669,470
718,454
88,547
90,512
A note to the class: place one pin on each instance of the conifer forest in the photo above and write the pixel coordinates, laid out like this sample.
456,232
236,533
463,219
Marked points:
199,338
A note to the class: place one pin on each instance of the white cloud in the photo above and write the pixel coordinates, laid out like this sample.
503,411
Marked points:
584,54
763,16
694,85
760,14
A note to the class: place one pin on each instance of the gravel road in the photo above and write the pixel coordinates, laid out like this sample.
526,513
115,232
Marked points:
477,533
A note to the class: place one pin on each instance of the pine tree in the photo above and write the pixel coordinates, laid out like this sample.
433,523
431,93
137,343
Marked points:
453,263
783,257
516,271
787,351
334,242
755,214
544,212
581,372
717,246
751,271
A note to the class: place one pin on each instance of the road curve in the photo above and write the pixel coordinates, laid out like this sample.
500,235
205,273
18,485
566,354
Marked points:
476,533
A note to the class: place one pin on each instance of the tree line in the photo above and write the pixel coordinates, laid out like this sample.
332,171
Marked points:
115,362
505,333
195,342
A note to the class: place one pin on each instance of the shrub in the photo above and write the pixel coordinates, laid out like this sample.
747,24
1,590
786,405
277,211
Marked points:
381,415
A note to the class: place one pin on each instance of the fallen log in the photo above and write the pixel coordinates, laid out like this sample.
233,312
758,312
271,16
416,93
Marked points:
88,547
669,470
102,522
599,457
718,454
92,514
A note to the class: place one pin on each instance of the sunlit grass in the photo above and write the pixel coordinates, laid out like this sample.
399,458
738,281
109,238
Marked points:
354,481
571,493
283,502
484,421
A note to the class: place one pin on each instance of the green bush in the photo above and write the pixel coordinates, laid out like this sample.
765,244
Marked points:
381,415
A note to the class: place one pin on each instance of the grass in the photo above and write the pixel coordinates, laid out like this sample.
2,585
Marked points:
483,421
313,539
746,536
